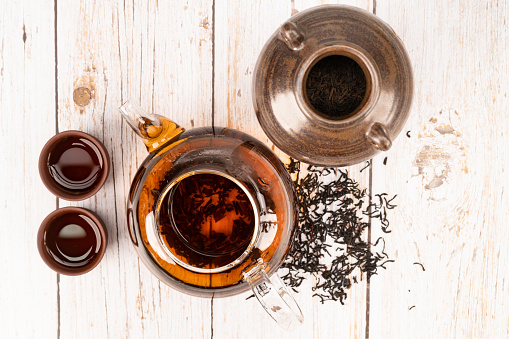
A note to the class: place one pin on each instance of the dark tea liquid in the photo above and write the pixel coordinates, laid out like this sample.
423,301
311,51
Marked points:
73,240
76,164
210,220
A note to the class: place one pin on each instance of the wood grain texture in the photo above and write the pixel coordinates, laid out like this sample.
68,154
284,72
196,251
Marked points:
192,61
450,177
331,319
241,29
157,54
240,33
27,119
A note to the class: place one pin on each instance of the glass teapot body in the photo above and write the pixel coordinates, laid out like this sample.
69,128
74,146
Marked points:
227,155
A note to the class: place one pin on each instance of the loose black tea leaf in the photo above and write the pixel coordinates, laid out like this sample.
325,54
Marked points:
422,266
368,163
329,241
251,296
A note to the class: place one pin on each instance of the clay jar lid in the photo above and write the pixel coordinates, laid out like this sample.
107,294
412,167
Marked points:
308,45
72,240
74,165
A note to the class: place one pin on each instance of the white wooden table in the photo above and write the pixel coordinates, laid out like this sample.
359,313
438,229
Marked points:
192,61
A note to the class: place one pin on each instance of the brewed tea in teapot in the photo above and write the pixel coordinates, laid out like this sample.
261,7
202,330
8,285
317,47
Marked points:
212,212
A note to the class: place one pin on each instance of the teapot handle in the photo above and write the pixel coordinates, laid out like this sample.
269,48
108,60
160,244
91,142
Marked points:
274,297
155,130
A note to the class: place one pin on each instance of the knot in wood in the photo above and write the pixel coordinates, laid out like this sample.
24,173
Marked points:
82,96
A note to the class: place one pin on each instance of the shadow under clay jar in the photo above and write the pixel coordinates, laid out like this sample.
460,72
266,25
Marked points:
280,88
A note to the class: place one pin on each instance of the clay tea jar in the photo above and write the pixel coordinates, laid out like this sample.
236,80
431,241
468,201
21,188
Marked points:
212,212
333,86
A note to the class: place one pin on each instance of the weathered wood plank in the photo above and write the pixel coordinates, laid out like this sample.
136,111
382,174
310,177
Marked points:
157,53
241,31
27,120
450,177
332,319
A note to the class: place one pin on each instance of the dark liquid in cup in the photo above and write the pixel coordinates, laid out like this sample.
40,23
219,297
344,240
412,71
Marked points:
208,220
76,164
73,240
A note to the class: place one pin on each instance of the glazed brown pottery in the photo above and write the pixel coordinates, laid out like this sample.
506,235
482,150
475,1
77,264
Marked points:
74,165
72,240
306,48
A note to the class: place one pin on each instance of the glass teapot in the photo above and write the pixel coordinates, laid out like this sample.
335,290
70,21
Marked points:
212,212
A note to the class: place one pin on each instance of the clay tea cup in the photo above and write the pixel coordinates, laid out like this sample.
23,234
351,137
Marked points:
74,165
72,240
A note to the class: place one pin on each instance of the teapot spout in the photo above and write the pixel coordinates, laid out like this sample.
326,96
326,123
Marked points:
155,130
